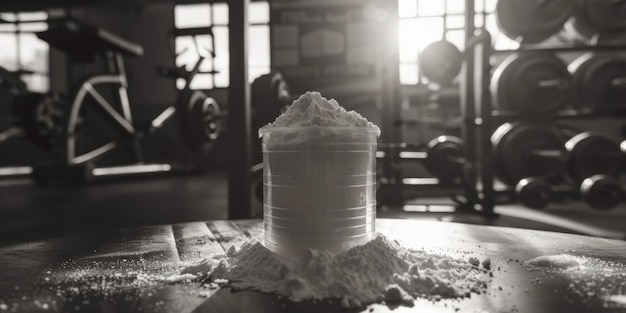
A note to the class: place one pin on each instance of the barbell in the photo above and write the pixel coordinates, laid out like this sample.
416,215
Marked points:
524,150
599,81
601,192
531,83
532,21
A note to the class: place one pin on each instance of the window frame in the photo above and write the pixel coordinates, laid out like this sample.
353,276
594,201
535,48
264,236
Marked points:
17,21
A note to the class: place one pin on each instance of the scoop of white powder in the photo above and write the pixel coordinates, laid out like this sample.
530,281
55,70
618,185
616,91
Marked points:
313,110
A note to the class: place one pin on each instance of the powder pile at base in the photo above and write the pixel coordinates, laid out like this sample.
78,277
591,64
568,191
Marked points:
380,270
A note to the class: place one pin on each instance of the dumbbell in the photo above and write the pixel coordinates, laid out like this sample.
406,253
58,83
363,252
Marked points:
532,21
600,192
537,150
596,17
445,158
441,62
599,82
532,83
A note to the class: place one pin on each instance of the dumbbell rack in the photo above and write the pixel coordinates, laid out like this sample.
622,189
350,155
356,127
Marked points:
481,126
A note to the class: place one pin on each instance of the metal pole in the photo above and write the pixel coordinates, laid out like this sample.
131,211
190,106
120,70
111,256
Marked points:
239,147
468,107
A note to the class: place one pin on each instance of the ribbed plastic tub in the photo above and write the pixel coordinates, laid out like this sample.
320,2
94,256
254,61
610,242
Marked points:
319,188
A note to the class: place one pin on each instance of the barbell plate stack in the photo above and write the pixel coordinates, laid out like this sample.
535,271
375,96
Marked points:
592,19
533,193
601,192
532,21
599,82
445,158
532,83
441,62
592,153
515,146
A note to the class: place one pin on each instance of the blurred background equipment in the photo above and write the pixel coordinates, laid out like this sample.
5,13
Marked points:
599,82
532,83
483,105
533,21
598,21
441,62
100,119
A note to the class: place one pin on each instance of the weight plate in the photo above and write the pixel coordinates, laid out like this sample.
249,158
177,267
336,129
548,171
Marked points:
42,117
599,82
441,62
201,123
533,193
531,83
591,153
515,145
445,158
593,17
532,21
601,192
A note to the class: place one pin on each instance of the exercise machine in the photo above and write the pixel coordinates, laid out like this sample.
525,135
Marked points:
99,119
34,117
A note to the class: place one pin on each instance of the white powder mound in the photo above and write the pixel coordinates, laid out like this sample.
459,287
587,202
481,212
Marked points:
379,270
311,109
561,261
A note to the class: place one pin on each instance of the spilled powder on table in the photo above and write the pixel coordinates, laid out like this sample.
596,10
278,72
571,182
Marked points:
560,261
379,270
592,281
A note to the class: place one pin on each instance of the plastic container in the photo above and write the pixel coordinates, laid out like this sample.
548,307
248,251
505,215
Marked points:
319,188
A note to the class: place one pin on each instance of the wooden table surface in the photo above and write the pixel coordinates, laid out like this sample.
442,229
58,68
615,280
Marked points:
114,271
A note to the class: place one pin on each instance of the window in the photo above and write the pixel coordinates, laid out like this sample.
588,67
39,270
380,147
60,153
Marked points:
215,15
424,21
22,50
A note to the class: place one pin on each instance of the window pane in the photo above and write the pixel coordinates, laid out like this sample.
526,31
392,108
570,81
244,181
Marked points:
202,81
32,16
221,79
9,17
8,53
457,37
259,12
407,8
490,5
186,52
456,21
428,30
221,55
192,15
259,46
408,46
478,20
7,28
37,82
33,53
479,6
408,74
220,14
33,26
456,6
430,7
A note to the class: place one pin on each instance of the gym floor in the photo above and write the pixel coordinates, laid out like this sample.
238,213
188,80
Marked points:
30,212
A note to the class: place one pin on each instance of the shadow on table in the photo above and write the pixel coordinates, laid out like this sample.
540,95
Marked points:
226,300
